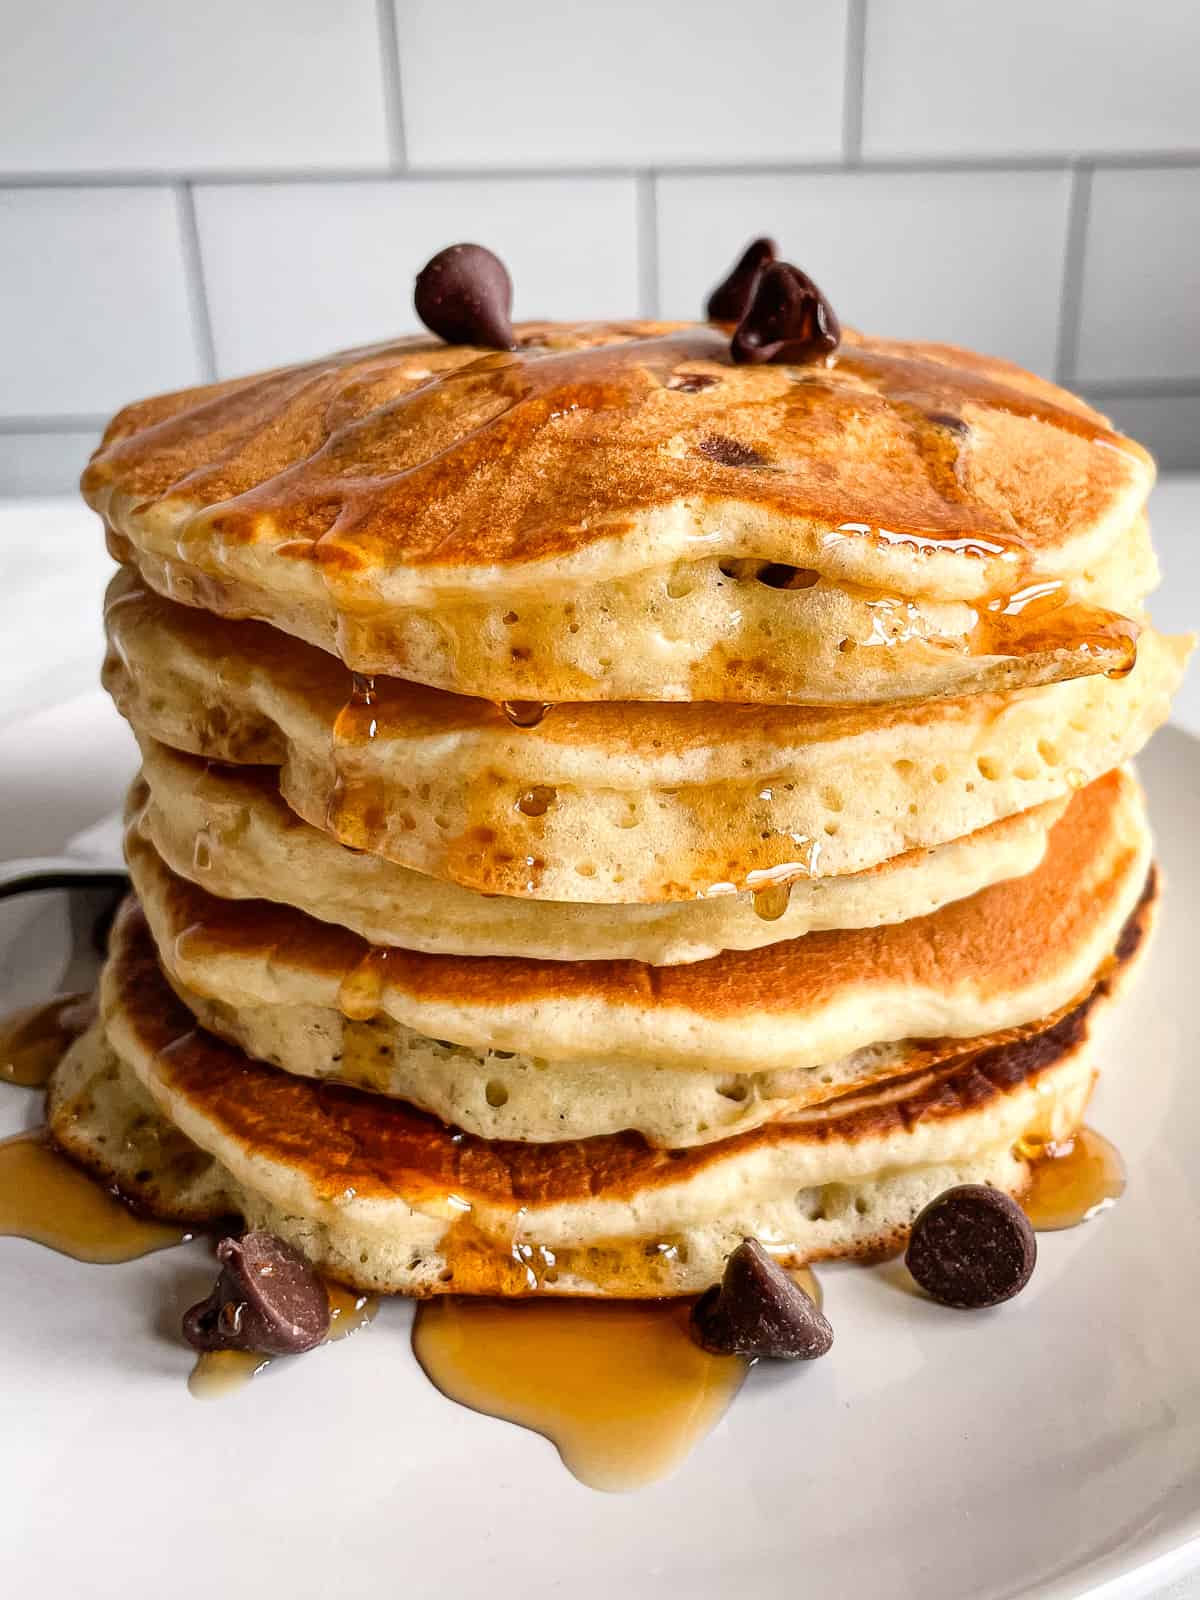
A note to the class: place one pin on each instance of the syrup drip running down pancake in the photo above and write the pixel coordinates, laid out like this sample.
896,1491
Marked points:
435,511
605,803
384,1198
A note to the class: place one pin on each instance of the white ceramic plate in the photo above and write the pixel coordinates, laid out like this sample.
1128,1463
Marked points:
1049,1448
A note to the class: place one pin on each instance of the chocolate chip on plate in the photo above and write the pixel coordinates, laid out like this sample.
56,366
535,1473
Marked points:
728,301
464,295
757,1310
972,1247
788,319
267,1298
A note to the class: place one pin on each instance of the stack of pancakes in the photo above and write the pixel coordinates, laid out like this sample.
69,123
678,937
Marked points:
600,802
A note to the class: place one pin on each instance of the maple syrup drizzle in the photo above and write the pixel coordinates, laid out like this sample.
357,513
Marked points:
221,1372
1072,1180
453,424
525,713
771,903
771,887
1045,617
34,1040
46,1199
356,798
806,1279
360,993
1041,617
618,1387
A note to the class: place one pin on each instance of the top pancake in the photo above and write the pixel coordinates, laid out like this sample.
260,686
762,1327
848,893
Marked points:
420,475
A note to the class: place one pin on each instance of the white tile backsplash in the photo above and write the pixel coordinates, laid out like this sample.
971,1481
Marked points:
156,84
966,257
1167,424
550,84
43,463
1140,309
944,78
916,155
94,306
300,269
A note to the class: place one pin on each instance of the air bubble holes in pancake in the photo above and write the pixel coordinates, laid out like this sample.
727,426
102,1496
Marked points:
989,768
1049,752
680,582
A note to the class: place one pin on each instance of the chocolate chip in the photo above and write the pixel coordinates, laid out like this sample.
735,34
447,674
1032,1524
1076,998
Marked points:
789,319
464,295
947,420
267,1299
777,575
691,382
730,452
757,1310
972,1247
729,300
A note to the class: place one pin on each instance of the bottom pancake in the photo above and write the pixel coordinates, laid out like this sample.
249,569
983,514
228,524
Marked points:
388,1199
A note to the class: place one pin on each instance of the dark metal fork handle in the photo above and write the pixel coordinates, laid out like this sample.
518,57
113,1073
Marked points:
43,873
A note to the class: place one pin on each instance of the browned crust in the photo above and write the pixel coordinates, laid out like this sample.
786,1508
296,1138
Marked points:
1005,936
364,461
341,1138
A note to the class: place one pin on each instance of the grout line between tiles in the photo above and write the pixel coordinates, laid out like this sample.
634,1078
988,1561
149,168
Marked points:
647,241
896,166
1070,303
1139,388
65,424
193,262
393,93
852,91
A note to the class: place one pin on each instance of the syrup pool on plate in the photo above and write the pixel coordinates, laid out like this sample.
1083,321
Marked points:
1072,1180
45,1198
218,1373
619,1387
34,1040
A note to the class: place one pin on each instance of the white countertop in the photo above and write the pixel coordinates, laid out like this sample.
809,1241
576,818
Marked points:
53,569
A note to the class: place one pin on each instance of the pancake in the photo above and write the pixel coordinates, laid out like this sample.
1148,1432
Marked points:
722,629
356,501
229,830
385,1198
607,803
105,1120
513,1096
1010,953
